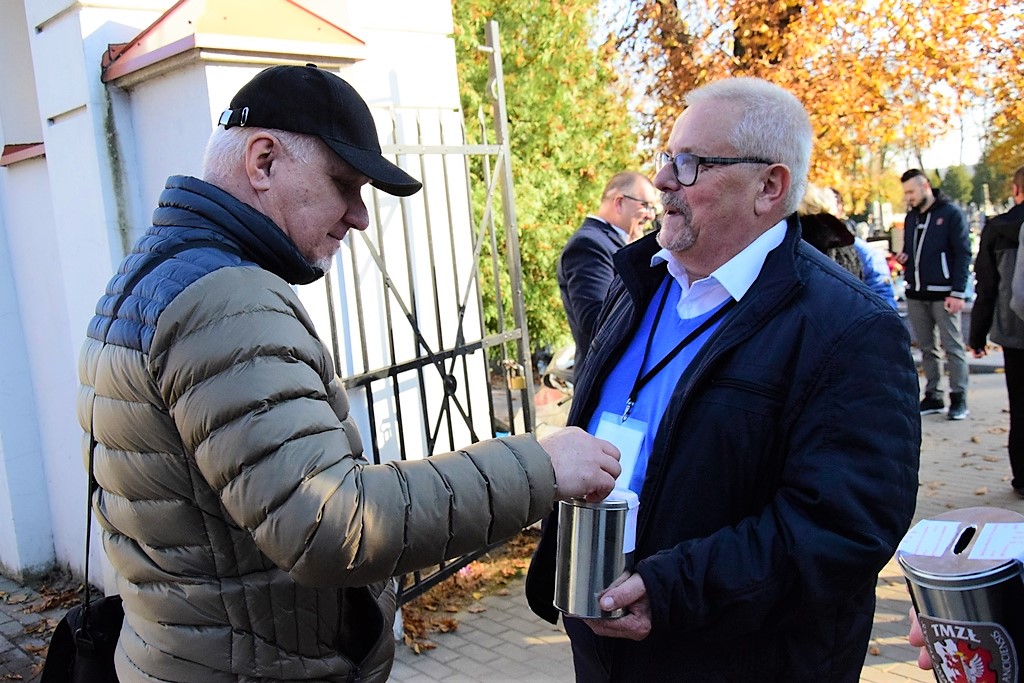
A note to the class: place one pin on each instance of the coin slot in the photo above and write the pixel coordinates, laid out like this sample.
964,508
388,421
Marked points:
964,540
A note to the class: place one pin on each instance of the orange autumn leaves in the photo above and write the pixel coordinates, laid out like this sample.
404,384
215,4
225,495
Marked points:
877,77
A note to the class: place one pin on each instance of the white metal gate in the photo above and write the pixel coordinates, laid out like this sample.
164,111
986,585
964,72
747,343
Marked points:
406,301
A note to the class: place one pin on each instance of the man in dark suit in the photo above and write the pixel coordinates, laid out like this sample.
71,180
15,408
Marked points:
585,269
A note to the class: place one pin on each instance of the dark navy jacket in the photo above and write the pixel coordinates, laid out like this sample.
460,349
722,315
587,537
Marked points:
997,256
585,272
782,478
940,267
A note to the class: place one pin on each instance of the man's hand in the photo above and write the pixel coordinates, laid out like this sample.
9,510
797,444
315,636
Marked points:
916,638
978,353
953,305
585,466
628,592
901,257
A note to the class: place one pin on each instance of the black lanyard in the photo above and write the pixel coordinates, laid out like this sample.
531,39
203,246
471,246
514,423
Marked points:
642,379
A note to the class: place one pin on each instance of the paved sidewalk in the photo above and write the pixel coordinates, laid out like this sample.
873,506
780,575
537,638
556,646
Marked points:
963,464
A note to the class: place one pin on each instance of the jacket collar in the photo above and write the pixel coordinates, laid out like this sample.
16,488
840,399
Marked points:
777,278
776,284
605,227
190,202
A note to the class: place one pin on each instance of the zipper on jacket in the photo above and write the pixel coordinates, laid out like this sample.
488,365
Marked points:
750,387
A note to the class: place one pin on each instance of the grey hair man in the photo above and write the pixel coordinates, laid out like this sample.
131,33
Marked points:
776,403
250,538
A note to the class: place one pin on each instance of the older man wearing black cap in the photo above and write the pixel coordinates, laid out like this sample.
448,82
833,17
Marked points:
250,538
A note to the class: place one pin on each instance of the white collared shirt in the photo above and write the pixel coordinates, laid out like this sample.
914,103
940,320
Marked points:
732,279
623,233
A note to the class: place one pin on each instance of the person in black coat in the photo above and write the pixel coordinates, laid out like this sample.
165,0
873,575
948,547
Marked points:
775,399
937,258
992,316
585,268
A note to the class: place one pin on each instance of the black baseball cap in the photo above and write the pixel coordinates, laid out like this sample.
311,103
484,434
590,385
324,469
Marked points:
305,99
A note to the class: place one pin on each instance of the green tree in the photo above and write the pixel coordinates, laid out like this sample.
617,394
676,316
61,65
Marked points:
569,131
957,184
982,187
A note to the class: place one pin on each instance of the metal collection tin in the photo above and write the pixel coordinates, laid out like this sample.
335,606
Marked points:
595,545
964,572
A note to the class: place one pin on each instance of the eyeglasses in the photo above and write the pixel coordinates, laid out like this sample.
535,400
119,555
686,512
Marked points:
647,206
685,165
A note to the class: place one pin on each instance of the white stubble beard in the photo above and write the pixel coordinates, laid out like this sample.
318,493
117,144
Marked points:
683,236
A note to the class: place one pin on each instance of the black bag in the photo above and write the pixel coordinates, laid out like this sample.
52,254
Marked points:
82,646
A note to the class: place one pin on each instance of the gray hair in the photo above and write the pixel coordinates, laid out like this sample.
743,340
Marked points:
225,150
774,125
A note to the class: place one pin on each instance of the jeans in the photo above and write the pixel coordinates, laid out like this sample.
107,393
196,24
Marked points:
927,318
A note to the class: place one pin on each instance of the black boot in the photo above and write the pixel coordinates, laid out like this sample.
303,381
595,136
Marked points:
932,403
958,406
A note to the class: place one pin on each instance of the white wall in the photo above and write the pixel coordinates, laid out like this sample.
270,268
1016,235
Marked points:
170,122
26,542
67,233
26,545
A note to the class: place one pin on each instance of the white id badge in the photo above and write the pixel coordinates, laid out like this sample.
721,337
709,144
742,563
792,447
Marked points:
628,437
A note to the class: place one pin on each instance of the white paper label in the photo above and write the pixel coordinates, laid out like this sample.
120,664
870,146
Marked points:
632,512
929,537
629,540
628,437
999,541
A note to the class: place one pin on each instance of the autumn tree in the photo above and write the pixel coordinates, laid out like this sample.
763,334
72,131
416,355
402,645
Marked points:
569,127
1004,148
1002,155
879,78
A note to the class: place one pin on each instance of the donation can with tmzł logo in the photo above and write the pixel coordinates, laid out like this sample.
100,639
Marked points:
595,546
964,572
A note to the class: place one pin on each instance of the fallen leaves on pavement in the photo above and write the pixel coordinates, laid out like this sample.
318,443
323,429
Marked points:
488,575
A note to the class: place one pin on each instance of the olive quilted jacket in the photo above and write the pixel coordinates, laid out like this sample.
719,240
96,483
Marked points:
251,540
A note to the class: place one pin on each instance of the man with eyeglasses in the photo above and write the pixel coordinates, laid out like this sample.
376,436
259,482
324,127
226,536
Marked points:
765,408
585,268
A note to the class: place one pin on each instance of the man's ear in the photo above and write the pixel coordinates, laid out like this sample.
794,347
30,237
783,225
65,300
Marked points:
261,151
617,204
775,183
